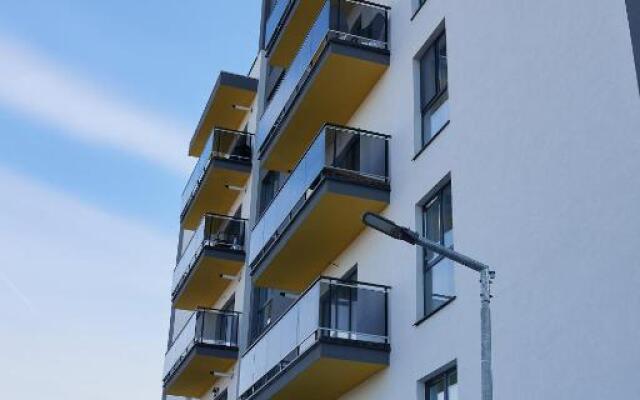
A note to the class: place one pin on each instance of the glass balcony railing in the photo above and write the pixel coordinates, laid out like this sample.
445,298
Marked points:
215,231
222,144
205,326
350,152
330,309
358,22
274,20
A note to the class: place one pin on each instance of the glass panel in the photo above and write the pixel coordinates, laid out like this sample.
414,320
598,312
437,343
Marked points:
428,76
294,74
447,217
284,202
343,148
432,226
363,21
214,231
309,316
180,319
438,285
225,233
184,341
453,386
348,153
358,151
222,143
198,172
204,326
232,145
436,390
435,118
439,116
353,311
373,155
365,24
368,322
442,63
433,86
347,311
187,258
218,328
275,16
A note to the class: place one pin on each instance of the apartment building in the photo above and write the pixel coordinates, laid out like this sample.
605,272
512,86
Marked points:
508,130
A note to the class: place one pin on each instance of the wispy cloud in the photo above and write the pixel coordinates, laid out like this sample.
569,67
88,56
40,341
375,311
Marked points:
17,292
95,289
38,87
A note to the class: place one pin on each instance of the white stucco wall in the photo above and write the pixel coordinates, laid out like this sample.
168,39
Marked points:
544,153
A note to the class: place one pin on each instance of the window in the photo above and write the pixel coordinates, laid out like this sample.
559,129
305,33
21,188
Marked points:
349,156
433,89
268,189
261,311
267,306
443,386
437,225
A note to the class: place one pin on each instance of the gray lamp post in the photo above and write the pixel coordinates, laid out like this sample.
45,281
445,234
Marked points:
390,228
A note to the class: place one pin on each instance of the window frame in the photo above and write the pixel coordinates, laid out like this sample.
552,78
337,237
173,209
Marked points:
417,6
439,376
441,95
424,265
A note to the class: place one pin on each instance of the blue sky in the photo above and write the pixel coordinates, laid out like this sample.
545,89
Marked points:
98,101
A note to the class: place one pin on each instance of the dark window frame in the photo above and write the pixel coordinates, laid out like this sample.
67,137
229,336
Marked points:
439,82
418,7
445,375
435,195
441,91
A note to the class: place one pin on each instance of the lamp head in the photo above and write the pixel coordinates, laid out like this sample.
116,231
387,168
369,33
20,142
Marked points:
389,227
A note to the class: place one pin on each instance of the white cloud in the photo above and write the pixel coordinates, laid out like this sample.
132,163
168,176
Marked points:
85,298
38,88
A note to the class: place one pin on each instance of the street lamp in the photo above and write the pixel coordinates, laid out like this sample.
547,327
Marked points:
390,228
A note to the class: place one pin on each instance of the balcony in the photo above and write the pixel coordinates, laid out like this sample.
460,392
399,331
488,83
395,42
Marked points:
286,27
341,59
329,341
228,104
317,212
223,166
214,253
207,342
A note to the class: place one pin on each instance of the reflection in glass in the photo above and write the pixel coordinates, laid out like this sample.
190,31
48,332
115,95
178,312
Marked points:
331,309
439,287
352,153
443,387
434,93
361,23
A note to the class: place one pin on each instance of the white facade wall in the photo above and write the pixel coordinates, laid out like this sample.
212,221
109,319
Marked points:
543,149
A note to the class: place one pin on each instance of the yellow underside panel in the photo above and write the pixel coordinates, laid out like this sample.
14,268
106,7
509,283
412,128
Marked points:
213,195
222,114
330,227
205,286
196,378
328,379
339,87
